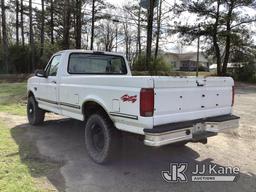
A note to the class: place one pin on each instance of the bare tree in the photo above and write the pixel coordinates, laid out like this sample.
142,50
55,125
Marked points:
78,26
158,32
231,6
128,40
66,27
17,21
215,38
149,32
93,20
4,35
22,22
97,6
42,29
106,35
51,21
31,37
139,31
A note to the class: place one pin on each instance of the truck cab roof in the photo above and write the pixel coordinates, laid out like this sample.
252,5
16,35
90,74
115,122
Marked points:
90,51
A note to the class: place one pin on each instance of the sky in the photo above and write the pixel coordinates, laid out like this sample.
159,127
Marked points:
117,2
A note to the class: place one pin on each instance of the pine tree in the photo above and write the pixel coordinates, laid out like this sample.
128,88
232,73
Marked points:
221,22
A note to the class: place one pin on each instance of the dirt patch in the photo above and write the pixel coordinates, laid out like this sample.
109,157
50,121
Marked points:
43,169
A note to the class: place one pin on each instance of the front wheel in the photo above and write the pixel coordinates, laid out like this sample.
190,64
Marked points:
34,113
101,138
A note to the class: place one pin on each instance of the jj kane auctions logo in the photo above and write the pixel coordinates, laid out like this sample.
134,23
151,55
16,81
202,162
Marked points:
179,172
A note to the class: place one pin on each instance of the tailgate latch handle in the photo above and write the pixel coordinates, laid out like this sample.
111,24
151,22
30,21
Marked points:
199,85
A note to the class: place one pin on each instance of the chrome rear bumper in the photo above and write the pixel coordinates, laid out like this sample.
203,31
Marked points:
190,130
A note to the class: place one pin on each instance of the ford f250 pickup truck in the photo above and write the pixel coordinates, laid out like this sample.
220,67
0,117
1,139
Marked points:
98,88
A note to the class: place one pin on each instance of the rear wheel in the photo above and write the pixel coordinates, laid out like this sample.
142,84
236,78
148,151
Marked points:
34,113
101,138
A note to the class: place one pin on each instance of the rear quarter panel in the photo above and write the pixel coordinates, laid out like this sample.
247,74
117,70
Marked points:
109,92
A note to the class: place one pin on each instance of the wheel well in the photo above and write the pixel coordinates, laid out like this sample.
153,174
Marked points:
92,107
30,94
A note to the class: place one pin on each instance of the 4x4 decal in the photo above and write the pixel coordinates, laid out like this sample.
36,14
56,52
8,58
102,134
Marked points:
127,98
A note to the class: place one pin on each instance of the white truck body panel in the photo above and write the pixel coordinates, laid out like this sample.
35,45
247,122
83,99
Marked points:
180,99
177,99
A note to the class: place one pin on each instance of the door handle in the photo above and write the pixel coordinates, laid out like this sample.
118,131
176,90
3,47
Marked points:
53,82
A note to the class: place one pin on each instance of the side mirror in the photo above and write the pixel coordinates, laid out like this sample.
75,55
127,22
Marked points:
40,73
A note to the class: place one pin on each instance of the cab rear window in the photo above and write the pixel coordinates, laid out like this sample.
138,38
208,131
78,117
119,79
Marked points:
83,63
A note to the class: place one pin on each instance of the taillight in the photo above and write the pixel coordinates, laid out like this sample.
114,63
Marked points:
233,95
147,102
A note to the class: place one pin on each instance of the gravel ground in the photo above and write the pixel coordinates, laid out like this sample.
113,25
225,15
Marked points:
139,167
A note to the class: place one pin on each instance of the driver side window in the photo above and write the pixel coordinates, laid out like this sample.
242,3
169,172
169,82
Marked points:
53,66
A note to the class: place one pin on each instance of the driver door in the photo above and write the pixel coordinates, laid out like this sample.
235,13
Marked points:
48,90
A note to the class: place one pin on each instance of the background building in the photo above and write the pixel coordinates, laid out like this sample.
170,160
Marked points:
186,61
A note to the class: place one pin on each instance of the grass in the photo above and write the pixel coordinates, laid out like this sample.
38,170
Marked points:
14,176
12,98
22,168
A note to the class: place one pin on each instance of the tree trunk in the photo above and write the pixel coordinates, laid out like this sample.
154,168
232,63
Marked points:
42,30
5,38
17,22
228,41
66,24
87,39
92,28
138,35
51,22
116,36
78,24
158,27
149,33
31,38
126,37
22,23
215,39
1,35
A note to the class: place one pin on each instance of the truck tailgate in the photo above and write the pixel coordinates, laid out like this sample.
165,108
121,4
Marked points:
183,99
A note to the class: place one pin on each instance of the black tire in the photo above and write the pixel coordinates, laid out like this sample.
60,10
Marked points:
101,138
34,113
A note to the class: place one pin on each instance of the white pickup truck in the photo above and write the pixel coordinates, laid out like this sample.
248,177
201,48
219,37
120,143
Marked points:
98,88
